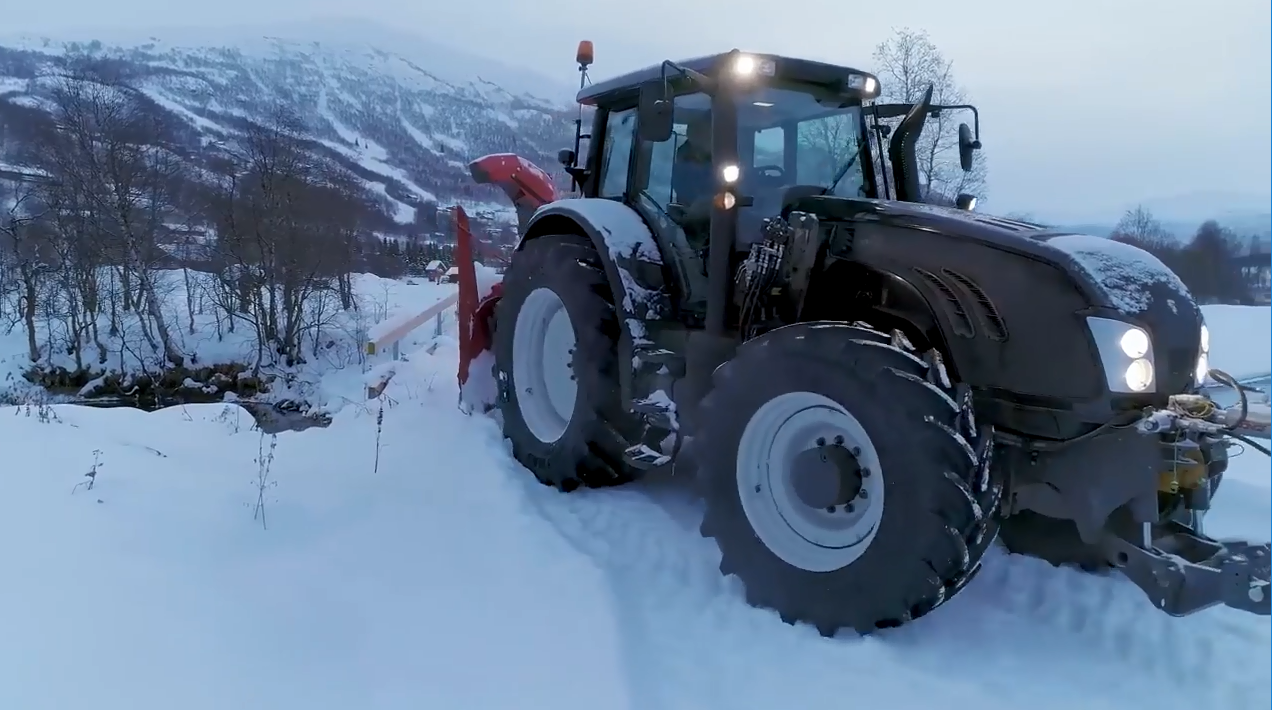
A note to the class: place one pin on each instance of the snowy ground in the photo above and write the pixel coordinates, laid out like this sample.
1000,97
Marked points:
447,578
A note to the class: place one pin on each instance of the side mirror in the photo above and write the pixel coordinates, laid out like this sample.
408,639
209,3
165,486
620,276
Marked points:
965,201
654,112
566,157
967,147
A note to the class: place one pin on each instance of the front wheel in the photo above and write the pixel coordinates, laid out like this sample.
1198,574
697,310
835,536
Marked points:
845,483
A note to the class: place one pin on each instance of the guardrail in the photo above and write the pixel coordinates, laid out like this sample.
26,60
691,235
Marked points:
388,334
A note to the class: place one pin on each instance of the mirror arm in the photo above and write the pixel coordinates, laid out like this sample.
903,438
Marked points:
701,81
975,116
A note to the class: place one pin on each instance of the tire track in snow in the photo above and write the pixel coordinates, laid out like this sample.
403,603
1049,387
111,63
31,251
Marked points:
1023,632
1037,615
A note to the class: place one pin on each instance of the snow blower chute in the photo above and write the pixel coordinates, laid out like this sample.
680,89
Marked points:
529,188
865,390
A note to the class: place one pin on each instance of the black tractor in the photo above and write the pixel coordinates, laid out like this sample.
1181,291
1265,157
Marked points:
865,386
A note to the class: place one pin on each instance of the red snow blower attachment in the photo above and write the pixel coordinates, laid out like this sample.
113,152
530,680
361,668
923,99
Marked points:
529,188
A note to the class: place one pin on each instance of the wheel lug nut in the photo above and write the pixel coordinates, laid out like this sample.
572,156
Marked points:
856,451
848,508
865,472
839,440
830,509
862,494
821,441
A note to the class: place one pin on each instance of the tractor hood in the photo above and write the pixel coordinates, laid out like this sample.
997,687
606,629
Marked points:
1112,275
1022,269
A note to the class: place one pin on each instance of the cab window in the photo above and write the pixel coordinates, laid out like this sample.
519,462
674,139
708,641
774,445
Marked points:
616,155
677,166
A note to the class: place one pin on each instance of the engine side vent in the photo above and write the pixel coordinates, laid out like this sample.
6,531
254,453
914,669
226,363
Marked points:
1010,224
960,321
995,326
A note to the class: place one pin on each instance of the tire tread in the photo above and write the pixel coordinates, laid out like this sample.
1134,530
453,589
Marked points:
962,521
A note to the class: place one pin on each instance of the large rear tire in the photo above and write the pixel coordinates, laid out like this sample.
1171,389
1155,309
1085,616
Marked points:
555,340
892,531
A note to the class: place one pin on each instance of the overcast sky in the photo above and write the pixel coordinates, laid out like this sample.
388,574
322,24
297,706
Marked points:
1087,105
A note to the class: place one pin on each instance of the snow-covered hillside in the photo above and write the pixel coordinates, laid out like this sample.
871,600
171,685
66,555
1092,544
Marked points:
404,116
416,565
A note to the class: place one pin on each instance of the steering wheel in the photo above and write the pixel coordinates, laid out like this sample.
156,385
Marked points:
774,172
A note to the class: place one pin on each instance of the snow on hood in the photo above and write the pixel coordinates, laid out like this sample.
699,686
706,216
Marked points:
1128,275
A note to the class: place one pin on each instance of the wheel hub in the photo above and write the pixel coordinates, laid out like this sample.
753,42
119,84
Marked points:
827,476
810,482
542,365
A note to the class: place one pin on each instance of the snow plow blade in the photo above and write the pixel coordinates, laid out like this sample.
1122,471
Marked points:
529,188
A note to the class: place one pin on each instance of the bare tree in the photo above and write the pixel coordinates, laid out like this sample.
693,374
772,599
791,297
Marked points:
115,180
26,254
1140,228
286,226
907,63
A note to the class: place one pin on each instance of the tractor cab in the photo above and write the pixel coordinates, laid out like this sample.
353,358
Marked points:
721,140
739,133
707,149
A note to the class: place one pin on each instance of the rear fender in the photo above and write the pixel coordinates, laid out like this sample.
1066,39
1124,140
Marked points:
635,270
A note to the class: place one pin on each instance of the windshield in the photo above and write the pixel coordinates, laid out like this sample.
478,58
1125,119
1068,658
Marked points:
796,137
786,137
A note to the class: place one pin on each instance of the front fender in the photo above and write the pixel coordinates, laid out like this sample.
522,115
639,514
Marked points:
633,266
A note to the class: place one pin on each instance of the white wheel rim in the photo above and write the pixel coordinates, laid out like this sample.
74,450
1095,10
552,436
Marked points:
811,539
542,352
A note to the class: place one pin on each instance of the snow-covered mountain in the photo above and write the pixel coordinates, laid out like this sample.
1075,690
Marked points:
403,114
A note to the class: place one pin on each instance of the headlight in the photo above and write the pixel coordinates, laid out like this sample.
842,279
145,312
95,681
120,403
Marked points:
1126,354
730,173
1203,359
1134,343
1139,375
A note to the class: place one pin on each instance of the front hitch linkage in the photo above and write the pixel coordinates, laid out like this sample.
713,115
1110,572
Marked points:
1183,572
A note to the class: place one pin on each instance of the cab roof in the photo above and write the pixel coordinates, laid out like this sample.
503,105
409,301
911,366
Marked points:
789,68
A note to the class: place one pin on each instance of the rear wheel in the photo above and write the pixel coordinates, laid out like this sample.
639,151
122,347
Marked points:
844,482
554,343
